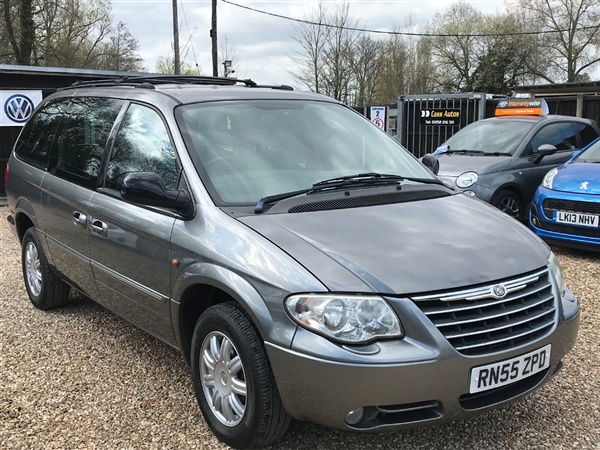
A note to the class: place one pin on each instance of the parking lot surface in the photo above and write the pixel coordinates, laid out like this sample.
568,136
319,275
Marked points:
82,378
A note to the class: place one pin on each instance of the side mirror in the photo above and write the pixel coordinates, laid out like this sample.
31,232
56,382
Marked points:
431,162
544,150
147,188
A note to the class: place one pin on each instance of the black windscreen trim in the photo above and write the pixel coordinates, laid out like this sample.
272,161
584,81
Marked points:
384,198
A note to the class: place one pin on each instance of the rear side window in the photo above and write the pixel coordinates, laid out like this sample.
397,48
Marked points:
82,139
587,133
38,135
142,144
561,135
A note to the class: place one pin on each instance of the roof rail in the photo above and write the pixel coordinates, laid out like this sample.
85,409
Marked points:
149,81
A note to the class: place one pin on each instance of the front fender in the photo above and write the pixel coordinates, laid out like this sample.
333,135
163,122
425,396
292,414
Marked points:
272,322
499,181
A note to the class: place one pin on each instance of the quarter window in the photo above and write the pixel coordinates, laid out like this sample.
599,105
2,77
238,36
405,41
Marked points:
82,139
142,145
587,133
38,135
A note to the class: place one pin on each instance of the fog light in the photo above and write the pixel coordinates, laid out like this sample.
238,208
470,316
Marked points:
471,193
355,416
535,221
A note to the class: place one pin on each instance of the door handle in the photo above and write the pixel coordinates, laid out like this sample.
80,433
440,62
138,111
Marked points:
79,219
99,228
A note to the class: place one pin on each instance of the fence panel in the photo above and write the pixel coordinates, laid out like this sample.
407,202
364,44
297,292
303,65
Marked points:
420,135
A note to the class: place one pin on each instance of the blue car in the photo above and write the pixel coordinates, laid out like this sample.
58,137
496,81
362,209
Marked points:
566,206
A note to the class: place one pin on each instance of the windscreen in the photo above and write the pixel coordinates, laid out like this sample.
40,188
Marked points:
591,154
252,149
491,136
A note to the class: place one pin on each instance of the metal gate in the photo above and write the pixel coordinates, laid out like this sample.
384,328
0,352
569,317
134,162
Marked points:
425,121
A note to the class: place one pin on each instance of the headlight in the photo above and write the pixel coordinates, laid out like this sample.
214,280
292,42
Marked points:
549,178
556,270
467,179
345,318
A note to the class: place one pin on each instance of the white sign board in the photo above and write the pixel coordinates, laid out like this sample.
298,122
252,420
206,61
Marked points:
378,116
17,106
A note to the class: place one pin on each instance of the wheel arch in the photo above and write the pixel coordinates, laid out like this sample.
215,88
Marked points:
514,188
212,285
22,223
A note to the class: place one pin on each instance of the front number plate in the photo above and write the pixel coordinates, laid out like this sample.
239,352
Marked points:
508,371
584,220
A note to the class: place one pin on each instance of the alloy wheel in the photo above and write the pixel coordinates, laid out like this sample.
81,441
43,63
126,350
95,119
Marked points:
223,378
33,269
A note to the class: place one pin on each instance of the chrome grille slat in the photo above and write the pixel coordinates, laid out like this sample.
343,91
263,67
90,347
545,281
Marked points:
510,325
506,312
487,304
467,294
498,341
481,320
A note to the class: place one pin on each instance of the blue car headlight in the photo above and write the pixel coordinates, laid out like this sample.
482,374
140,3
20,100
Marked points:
549,178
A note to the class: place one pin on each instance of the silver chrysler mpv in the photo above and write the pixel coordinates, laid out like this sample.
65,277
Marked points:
304,263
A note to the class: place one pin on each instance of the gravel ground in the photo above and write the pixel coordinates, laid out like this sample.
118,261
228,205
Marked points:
82,378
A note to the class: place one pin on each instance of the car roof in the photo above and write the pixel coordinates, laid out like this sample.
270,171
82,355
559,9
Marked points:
190,93
542,118
186,89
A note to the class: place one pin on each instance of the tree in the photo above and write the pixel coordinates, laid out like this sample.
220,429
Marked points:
325,50
166,64
505,56
311,39
455,48
392,77
21,39
229,52
365,60
121,52
571,40
67,33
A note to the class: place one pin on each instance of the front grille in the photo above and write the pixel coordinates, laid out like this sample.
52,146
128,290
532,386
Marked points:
570,229
478,321
553,204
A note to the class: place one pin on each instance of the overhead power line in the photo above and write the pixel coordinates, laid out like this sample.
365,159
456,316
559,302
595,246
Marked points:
404,33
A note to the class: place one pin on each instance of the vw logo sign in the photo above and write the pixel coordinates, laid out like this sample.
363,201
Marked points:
499,291
18,108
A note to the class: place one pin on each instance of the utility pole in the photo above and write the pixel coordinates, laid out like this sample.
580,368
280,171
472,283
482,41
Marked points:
213,35
177,64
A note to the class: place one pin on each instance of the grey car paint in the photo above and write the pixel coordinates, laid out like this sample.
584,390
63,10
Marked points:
258,260
65,208
446,227
517,172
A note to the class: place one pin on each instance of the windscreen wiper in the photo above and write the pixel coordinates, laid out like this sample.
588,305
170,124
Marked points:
498,154
260,206
369,177
361,179
465,151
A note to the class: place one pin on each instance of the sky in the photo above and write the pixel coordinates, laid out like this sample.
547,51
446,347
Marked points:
263,43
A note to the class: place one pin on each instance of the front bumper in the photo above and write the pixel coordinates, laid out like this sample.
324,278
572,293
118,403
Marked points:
426,383
548,229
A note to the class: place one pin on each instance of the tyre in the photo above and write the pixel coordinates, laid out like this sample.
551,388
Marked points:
232,377
510,203
45,289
